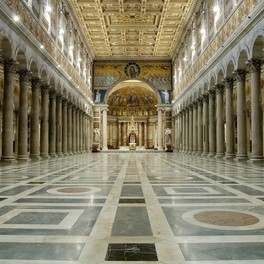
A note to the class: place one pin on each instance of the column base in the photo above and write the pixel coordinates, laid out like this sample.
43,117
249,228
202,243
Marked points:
211,155
10,159
70,153
34,157
44,156
104,149
256,159
22,157
241,158
59,154
53,155
199,153
219,155
229,156
204,154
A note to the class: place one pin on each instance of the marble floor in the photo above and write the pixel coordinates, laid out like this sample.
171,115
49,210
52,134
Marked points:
132,207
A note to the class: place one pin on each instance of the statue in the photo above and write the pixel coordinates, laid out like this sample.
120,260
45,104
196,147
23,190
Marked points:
168,137
96,135
97,97
166,96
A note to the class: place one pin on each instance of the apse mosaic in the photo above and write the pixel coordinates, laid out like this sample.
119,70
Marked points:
156,73
132,101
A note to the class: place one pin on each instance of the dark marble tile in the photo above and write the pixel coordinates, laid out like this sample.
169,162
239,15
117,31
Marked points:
35,182
132,182
127,200
132,191
131,221
131,252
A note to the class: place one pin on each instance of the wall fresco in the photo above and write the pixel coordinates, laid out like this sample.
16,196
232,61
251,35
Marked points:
156,73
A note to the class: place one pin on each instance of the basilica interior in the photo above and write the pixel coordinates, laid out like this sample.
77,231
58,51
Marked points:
131,131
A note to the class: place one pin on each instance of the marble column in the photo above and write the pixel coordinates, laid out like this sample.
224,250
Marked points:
178,131
240,76
145,135
104,110
160,128
230,130
187,130
140,134
81,132
212,125
205,125
200,126
44,131
69,128
52,124
220,139
195,134
190,148
74,109
64,127
59,125
254,67
89,140
34,121
181,130
119,135
85,132
23,116
77,139
111,133
8,110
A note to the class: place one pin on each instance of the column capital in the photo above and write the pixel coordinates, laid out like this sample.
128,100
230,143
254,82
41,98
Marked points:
25,76
200,101
253,65
10,66
219,88
228,83
205,98
64,101
74,107
45,89
52,94
190,106
104,108
240,75
58,98
35,82
195,103
212,94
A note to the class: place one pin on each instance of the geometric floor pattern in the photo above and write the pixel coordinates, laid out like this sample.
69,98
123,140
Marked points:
132,207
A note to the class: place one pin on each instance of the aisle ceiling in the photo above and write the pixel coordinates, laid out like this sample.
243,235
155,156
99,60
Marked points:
132,28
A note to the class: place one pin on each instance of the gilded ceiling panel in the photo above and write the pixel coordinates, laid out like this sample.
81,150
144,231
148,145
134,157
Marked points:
132,28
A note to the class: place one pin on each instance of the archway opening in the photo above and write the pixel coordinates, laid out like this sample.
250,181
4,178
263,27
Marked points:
132,115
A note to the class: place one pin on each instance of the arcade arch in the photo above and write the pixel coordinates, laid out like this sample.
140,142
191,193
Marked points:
134,113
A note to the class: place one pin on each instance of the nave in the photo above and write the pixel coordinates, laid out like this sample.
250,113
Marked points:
131,207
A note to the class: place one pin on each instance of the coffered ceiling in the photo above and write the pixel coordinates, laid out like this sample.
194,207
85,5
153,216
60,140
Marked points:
132,28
